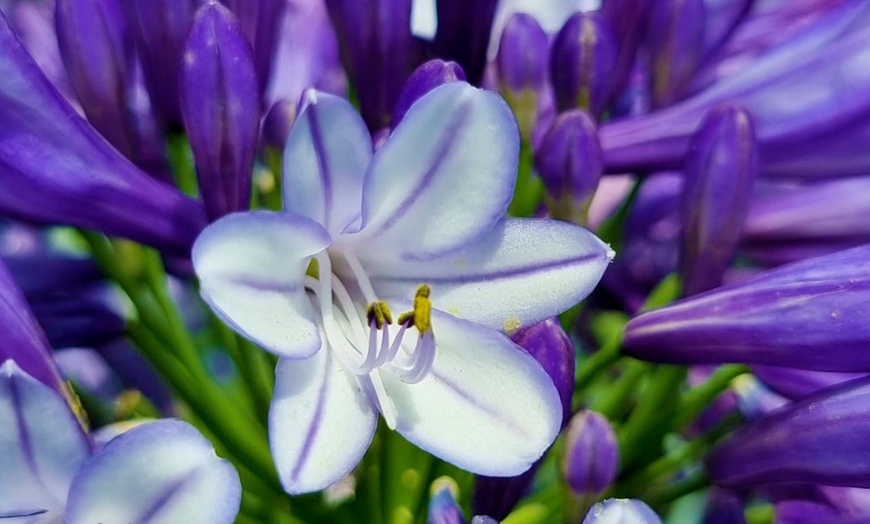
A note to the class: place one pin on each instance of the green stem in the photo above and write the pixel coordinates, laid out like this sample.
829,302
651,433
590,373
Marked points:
258,372
610,351
642,433
668,465
696,400
529,188
694,482
617,394
181,162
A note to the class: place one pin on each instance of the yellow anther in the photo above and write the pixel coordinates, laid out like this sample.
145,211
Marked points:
379,313
421,316
422,309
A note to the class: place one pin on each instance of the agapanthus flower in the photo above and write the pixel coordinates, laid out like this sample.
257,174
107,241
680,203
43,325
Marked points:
417,226
159,471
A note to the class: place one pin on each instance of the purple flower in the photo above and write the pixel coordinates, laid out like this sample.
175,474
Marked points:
820,131
590,458
463,34
221,109
163,470
57,169
806,315
261,22
821,439
97,49
523,69
583,64
378,50
568,160
23,339
719,174
676,47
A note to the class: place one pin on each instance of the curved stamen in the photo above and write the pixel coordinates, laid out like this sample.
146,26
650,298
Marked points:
362,279
379,396
424,356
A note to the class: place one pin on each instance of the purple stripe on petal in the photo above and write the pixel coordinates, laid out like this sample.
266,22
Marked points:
445,143
313,428
169,491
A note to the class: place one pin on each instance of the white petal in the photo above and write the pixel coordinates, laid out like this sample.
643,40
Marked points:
251,268
445,176
487,406
320,424
522,272
325,160
162,471
42,445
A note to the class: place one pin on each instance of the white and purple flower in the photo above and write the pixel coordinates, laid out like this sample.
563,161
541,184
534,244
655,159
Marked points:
417,226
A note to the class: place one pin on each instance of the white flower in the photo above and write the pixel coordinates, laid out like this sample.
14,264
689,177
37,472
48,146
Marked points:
364,235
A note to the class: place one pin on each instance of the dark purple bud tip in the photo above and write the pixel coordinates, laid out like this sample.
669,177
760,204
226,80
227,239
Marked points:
821,439
221,108
720,171
569,160
424,79
583,62
807,315
590,458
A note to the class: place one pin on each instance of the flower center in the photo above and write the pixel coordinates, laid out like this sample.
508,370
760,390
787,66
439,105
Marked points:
360,336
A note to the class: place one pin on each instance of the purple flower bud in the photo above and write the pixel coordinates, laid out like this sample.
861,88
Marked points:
821,439
590,457
798,383
550,345
97,49
57,169
23,339
628,20
463,34
676,47
261,21
569,162
621,511
443,508
806,315
552,348
278,121
719,174
582,64
378,50
221,109
523,68
424,79
160,28
805,137
522,54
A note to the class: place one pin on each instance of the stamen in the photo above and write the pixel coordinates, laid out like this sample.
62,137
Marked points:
385,405
362,279
424,357
379,313
423,309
